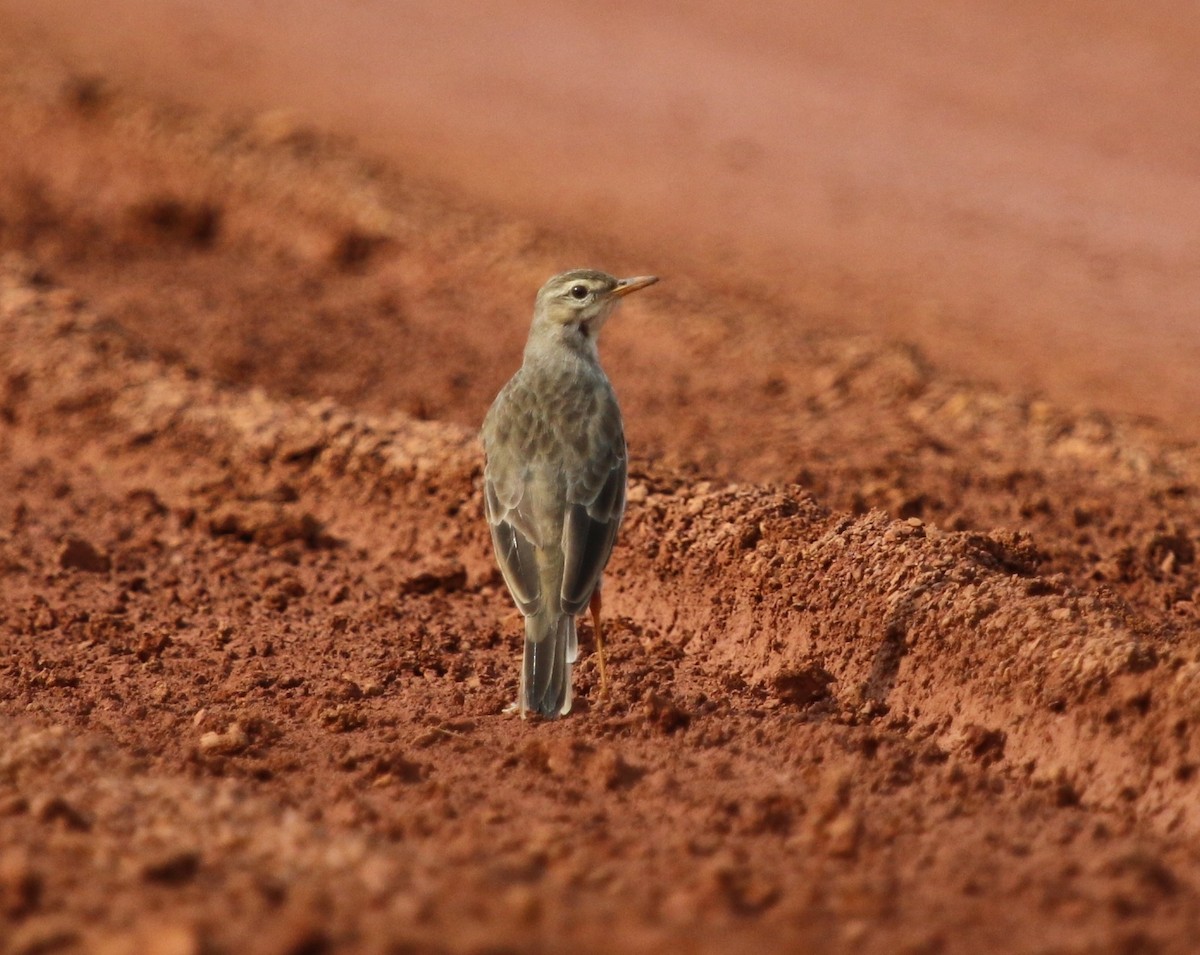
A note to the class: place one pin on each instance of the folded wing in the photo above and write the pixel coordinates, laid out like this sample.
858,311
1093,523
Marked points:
592,517
512,535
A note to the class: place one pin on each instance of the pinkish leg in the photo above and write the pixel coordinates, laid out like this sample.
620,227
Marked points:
595,608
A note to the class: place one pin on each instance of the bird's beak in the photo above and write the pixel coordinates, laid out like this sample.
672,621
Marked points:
625,286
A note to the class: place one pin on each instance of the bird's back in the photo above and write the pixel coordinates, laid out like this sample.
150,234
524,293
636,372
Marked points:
557,427
555,493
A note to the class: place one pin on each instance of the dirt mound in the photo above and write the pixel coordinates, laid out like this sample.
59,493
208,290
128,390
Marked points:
900,663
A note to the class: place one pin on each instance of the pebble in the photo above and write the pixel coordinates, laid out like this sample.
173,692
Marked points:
233,740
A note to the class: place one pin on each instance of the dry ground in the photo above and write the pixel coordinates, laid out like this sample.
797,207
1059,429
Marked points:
901,663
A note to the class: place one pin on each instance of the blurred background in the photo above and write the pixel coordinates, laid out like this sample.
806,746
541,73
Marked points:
1013,186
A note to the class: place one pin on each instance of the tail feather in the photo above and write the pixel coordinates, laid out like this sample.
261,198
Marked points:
550,648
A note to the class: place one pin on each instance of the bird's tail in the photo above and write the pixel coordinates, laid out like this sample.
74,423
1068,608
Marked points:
551,646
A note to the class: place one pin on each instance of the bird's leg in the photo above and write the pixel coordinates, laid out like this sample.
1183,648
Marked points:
595,608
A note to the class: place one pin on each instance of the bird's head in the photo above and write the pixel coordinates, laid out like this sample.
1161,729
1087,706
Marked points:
576,304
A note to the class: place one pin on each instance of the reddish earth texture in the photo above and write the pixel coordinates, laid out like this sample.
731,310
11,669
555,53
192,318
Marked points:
900,662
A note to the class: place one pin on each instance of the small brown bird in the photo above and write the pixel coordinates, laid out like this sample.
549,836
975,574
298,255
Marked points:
554,479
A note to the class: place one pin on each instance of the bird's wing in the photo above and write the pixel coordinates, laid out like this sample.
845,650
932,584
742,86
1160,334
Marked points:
595,505
513,535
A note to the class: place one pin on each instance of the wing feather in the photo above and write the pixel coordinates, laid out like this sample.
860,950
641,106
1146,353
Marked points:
515,553
589,532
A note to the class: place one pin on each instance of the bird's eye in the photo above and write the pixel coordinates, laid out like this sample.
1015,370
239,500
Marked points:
579,292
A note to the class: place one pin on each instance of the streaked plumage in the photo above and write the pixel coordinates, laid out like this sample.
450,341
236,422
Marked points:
555,477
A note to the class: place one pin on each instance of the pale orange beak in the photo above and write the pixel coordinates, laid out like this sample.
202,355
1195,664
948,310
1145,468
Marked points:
625,286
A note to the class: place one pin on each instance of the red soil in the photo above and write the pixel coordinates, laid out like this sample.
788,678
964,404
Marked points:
901,662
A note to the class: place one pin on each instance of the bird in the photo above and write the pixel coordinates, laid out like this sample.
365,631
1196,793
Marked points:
555,473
